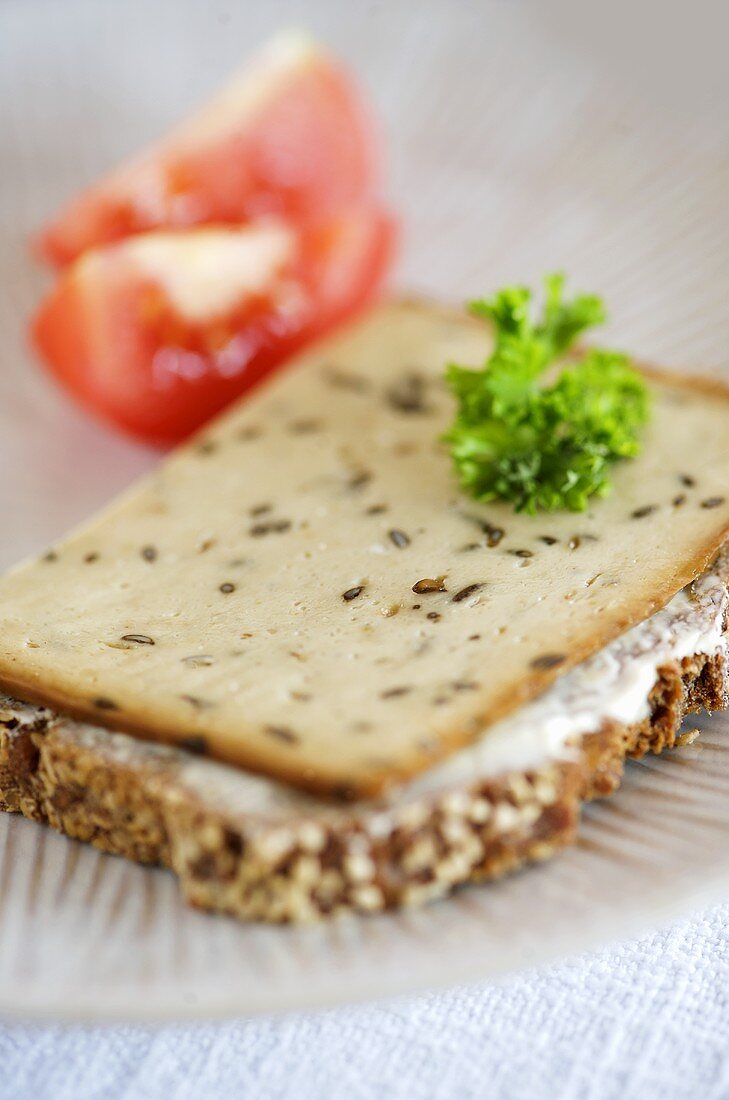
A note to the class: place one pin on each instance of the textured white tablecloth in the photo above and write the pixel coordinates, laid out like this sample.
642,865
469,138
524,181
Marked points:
648,1020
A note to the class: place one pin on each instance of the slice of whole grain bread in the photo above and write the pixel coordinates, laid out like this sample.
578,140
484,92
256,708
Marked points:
257,849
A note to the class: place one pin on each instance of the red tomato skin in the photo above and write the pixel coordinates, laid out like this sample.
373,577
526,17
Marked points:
116,344
309,152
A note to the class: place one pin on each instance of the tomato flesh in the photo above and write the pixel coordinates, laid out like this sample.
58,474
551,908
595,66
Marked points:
289,137
115,337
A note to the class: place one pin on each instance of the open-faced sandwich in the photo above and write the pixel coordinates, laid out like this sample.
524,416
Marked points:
344,652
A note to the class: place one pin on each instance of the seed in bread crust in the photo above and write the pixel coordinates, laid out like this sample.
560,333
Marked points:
359,479
493,534
645,510
196,702
353,593
140,639
311,836
359,867
430,584
479,811
395,692
271,527
305,426
227,588
207,447
399,538
103,703
250,431
195,744
548,660
506,817
346,380
712,502
149,553
368,897
407,394
282,733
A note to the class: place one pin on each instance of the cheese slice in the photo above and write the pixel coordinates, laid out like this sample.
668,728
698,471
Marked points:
303,590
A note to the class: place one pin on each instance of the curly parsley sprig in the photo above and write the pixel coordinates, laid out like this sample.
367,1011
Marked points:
543,445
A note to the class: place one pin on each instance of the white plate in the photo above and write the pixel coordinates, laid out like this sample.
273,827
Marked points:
509,158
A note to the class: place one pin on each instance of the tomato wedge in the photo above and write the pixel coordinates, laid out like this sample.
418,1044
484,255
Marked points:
288,137
158,332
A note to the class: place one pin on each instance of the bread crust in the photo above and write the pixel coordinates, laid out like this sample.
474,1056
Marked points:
136,800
